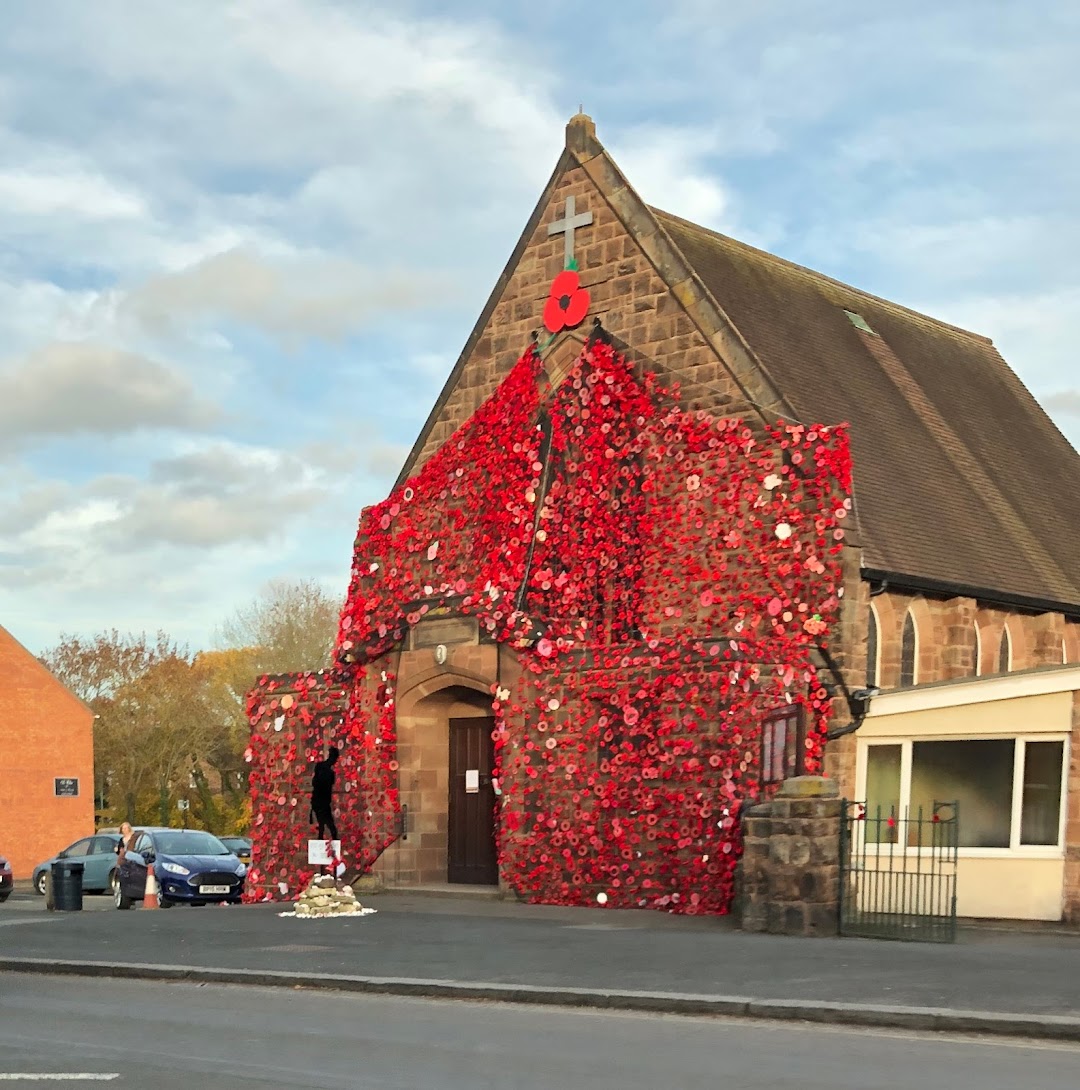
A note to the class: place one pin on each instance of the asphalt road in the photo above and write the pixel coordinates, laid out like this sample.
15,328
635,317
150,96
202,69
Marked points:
182,1035
23,899
455,940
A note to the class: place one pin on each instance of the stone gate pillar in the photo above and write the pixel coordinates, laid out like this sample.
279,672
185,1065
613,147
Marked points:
789,875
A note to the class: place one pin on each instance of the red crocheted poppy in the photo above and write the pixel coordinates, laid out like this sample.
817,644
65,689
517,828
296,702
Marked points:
567,304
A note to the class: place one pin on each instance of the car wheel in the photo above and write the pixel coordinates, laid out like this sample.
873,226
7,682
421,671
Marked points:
114,883
120,899
39,885
4,897
163,901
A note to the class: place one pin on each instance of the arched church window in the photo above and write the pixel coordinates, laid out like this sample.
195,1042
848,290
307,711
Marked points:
872,645
1005,652
908,650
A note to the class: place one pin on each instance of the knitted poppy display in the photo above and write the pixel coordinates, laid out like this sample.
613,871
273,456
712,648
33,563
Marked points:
660,576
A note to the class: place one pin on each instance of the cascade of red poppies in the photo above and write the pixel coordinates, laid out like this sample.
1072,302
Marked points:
662,575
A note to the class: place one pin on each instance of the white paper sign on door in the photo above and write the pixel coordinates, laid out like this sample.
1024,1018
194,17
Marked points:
472,781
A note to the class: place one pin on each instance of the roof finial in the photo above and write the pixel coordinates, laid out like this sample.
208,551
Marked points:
581,133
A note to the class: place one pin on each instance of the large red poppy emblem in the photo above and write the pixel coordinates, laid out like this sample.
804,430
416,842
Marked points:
567,304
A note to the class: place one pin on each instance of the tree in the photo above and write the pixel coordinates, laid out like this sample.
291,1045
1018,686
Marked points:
289,628
167,709
95,668
105,671
223,806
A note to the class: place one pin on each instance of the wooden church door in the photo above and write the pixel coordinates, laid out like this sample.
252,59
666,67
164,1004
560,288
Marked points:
471,820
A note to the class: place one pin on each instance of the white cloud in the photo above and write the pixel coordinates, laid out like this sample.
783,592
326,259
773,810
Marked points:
72,388
665,166
1064,401
305,295
175,548
227,180
82,194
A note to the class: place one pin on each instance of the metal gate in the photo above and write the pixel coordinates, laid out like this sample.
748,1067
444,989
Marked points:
898,872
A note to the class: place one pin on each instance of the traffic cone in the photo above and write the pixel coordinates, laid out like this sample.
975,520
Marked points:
150,894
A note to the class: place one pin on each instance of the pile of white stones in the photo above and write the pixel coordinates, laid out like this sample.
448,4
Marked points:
326,896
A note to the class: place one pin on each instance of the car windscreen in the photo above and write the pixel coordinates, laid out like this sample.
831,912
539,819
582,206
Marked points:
189,844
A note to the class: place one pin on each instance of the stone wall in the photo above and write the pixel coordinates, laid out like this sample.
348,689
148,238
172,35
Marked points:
627,293
429,695
789,875
961,637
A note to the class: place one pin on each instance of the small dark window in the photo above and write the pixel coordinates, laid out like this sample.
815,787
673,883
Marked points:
783,744
1005,652
907,651
871,649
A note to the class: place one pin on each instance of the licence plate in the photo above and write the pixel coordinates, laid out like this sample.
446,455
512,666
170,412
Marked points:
215,889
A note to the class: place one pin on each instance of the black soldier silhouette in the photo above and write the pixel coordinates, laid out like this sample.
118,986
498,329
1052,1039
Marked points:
322,794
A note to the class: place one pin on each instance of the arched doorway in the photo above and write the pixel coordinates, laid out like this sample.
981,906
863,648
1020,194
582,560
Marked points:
446,755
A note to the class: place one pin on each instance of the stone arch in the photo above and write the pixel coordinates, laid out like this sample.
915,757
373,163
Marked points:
890,613
926,639
990,624
428,683
428,700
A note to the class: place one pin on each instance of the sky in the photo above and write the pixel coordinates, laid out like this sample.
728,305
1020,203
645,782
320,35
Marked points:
243,243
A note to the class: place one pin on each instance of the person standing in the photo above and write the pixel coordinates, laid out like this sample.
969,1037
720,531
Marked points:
127,838
322,794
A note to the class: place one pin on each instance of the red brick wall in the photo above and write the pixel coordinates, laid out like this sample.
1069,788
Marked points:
45,732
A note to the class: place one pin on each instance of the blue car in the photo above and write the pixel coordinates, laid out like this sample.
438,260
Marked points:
190,866
98,857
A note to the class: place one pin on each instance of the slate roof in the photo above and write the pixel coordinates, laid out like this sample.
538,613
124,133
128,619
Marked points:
962,482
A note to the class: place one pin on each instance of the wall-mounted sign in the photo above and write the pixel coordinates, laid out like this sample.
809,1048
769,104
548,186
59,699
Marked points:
66,787
472,781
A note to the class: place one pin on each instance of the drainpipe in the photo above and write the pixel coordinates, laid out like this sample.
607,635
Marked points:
858,702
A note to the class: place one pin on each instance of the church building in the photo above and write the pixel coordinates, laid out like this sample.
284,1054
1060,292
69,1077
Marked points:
688,519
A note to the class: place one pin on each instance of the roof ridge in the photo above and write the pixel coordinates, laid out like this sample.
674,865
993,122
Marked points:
816,274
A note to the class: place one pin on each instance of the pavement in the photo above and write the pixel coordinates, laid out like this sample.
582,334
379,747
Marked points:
143,1034
1020,983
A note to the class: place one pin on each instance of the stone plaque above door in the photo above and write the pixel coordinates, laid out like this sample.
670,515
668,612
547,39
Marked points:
444,630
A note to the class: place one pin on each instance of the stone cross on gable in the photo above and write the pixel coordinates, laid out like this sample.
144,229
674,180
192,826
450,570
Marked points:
568,224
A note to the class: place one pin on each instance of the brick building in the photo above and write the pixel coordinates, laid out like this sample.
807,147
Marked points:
46,760
957,583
